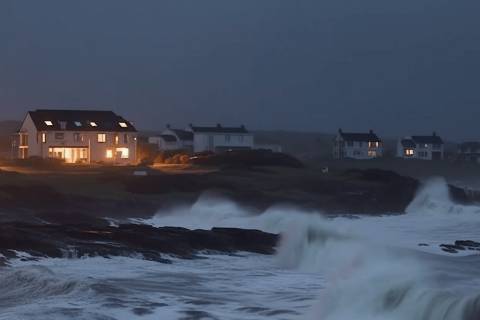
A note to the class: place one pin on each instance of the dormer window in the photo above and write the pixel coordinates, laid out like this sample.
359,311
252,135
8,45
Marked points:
93,124
78,124
123,124
49,123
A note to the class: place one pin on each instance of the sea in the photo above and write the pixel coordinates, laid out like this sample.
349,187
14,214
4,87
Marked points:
342,267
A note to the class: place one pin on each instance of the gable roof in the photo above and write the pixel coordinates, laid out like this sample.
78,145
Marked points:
183,134
433,139
79,120
364,137
219,129
408,143
168,137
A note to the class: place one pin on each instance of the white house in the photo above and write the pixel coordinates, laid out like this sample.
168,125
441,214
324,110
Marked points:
360,146
77,136
219,138
421,147
173,139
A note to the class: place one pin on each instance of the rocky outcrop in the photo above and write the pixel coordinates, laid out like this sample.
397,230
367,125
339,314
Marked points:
461,245
128,240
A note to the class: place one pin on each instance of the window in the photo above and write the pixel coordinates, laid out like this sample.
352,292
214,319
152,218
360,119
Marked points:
49,123
409,152
436,146
102,138
78,124
373,144
93,124
125,138
372,154
123,153
63,125
350,143
77,137
228,138
123,124
109,154
59,135
44,137
116,139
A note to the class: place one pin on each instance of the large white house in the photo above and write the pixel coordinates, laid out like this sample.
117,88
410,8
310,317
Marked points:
361,146
173,140
220,138
77,136
421,147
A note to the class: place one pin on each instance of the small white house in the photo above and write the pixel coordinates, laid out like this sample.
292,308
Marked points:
421,147
173,140
361,146
220,138
77,136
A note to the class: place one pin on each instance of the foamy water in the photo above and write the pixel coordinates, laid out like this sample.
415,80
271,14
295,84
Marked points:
327,269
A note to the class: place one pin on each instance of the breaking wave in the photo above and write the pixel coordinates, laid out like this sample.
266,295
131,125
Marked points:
368,279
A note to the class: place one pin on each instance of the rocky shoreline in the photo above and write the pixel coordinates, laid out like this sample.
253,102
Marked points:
155,244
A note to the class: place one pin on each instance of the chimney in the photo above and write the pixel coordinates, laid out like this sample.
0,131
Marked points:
340,130
434,134
242,126
370,131
219,125
168,125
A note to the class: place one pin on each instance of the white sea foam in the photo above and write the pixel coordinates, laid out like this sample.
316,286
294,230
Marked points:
369,268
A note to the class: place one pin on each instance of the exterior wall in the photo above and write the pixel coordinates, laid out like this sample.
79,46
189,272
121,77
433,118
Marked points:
97,151
212,141
421,152
359,150
164,145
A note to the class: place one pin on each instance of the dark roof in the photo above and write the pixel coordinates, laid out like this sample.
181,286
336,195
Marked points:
183,134
168,137
408,143
470,147
365,137
105,120
219,129
433,139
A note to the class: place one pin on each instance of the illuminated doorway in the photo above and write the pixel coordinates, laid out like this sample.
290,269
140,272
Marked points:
70,155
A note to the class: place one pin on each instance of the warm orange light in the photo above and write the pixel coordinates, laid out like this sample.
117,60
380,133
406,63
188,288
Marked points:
109,154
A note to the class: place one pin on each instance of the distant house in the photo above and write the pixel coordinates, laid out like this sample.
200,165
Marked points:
173,140
360,146
469,151
77,136
421,147
220,138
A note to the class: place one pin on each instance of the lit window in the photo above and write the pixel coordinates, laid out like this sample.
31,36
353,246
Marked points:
123,124
49,123
44,137
109,154
409,152
116,139
102,137
79,124
93,124
123,152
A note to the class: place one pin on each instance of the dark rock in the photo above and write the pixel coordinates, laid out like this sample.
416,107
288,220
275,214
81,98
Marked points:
467,243
129,240
423,245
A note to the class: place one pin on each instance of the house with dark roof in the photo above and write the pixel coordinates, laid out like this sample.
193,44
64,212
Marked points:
77,136
220,138
173,140
469,151
361,146
421,147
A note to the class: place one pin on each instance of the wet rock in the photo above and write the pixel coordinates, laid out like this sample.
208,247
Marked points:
423,245
468,243
151,243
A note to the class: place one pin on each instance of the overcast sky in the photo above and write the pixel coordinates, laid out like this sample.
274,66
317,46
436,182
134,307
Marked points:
396,66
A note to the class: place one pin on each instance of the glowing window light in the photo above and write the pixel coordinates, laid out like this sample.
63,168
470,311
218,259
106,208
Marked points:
78,123
102,138
49,123
109,154
124,153
93,124
123,124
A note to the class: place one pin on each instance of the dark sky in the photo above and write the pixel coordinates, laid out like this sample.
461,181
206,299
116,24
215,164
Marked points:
397,66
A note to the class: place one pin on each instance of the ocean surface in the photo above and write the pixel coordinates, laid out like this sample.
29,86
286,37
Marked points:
326,268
